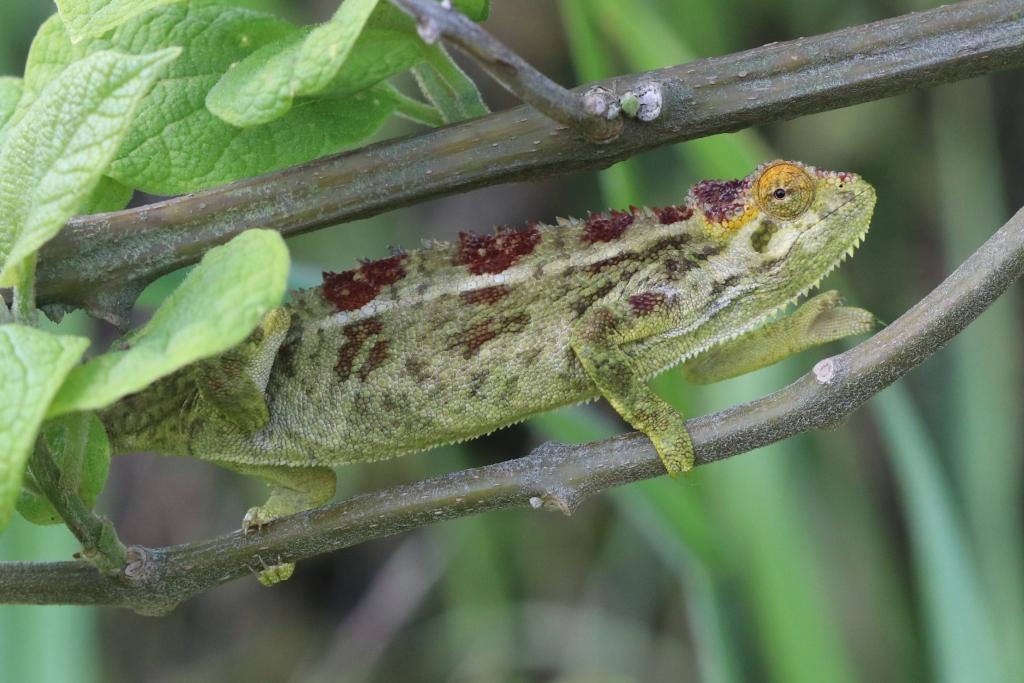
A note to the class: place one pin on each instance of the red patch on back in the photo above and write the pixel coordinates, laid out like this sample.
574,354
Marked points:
721,200
672,214
356,336
601,228
485,295
645,302
355,288
495,253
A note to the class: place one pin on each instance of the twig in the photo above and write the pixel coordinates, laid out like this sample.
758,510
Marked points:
505,66
102,262
100,545
554,476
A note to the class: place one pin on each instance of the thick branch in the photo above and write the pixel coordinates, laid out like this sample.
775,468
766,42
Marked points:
101,262
555,476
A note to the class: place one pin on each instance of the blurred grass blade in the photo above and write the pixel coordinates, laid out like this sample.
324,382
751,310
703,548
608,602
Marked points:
958,626
985,386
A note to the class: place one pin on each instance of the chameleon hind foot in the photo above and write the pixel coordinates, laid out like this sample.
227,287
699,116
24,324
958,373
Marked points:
292,489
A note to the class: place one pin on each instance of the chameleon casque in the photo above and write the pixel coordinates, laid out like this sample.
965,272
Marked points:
447,343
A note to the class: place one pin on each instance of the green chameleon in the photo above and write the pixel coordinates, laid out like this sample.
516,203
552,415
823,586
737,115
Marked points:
450,342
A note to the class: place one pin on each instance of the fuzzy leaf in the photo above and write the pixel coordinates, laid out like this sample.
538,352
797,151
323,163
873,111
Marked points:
215,308
87,18
339,57
10,93
54,156
32,366
176,145
477,10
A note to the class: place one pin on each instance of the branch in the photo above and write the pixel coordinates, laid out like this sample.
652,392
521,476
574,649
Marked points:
554,476
512,71
101,262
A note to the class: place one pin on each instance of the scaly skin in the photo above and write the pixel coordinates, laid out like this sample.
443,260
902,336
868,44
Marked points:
453,341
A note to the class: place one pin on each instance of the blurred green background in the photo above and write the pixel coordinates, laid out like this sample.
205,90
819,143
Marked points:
890,549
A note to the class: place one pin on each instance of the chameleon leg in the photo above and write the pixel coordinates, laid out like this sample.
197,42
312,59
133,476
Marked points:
597,342
818,321
233,382
292,489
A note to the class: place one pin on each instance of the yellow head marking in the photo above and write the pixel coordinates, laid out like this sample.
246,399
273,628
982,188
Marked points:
784,191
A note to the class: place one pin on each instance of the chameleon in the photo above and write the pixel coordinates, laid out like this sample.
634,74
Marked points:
446,343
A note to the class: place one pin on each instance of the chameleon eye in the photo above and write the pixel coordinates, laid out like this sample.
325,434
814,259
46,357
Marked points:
784,191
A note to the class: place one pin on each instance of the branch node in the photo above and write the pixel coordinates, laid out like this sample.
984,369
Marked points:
601,102
825,370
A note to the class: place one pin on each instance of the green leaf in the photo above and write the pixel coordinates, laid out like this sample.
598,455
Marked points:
334,56
109,195
80,448
32,366
448,87
56,153
477,10
176,144
215,308
10,93
86,18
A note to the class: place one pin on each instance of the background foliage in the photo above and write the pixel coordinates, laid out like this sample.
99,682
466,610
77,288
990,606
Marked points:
889,549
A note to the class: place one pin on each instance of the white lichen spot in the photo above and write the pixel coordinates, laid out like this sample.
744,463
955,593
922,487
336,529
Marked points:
600,101
825,371
644,102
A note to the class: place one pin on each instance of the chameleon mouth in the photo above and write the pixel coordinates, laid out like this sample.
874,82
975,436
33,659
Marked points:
854,244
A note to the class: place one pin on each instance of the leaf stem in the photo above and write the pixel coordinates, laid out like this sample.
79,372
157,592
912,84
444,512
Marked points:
100,544
24,295
416,111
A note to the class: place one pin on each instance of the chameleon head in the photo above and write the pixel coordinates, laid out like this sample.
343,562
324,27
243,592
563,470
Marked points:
797,223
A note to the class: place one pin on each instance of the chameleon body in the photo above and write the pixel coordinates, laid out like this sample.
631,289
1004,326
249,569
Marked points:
450,342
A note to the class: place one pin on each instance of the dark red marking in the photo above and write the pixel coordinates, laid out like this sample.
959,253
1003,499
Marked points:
374,359
356,336
611,262
355,288
672,214
601,228
495,253
485,295
478,334
645,302
721,200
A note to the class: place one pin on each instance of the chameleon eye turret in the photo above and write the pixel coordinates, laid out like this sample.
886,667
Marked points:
784,191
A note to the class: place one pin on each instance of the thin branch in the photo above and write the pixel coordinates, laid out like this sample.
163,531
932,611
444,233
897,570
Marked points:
101,262
505,66
100,545
554,476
